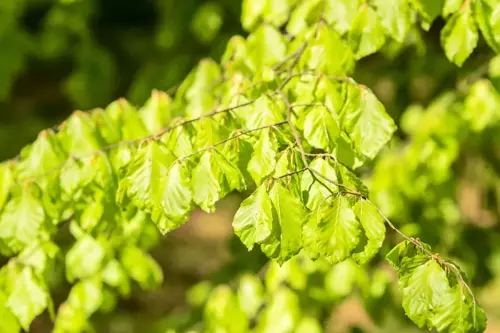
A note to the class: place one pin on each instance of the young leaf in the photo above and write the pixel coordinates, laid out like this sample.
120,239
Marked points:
156,111
84,259
43,156
253,221
314,188
286,240
374,228
332,231
459,36
79,136
141,183
483,14
276,12
328,53
433,297
367,34
265,111
141,267
86,296
365,120
28,299
395,17
251,11
22,219
213,178
298,22
481,105
114,275
250,294
223,313
341,13
177,195
266,47
282,314
127,119
179,142
320,128
263,161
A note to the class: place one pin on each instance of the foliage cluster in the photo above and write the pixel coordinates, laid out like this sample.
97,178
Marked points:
281,120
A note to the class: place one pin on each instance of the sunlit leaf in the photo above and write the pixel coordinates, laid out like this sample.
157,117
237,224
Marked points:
459,36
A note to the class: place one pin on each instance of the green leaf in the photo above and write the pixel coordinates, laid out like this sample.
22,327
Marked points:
433,296
459,36
213,178
396,18
276,12
483,13
141,183
374,227
251,11
9,322
22,219
70,320
114,275
141,267
481,105
179,142
429,10
250,294
286,235
223,313
342,13
265,111
282,314
314,188
127,119
84,259
263,161
177,198
28,299
208,133
299,20
332,231
292,273
429,301
41,256
342,278
265,47
43,156
365,120
156,112
367,34
86,296
79,136
328,53
320,128
253,221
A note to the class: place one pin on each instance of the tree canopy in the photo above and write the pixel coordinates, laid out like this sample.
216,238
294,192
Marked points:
346,187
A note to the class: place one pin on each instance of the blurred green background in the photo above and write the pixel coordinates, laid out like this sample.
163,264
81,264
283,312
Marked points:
57,56
60,55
